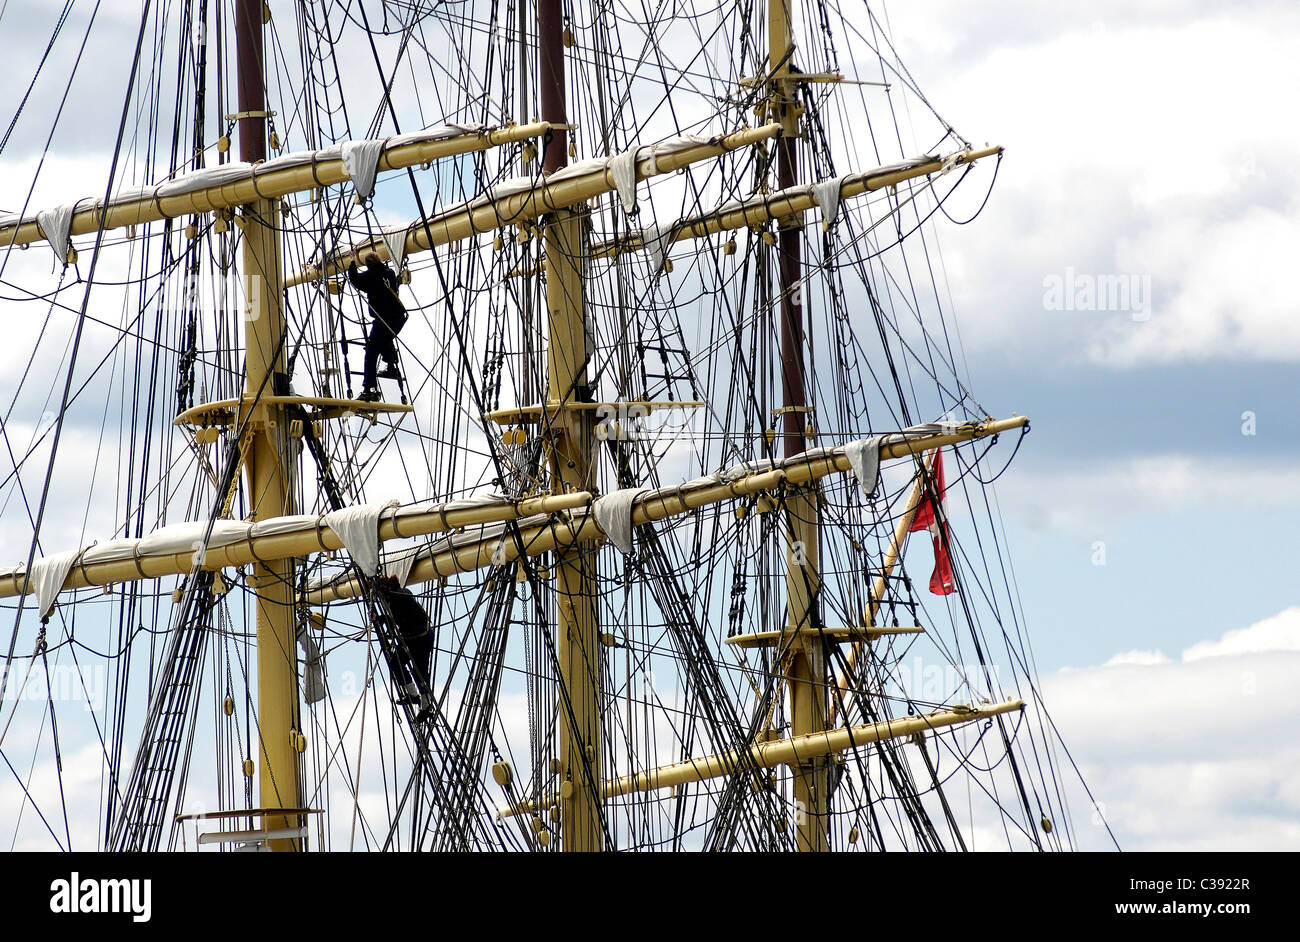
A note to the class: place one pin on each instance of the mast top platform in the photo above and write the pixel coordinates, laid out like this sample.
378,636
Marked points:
840,635
223,411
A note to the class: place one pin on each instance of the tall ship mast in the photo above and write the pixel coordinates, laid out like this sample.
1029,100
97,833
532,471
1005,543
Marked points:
670,523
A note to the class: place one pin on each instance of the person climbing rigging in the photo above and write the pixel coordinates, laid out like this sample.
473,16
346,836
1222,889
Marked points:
413,643
379,285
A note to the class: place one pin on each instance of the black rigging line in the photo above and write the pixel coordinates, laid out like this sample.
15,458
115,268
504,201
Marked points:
512,527
76,344
58,28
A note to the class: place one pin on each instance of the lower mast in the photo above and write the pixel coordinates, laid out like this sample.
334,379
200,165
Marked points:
268,458
577,638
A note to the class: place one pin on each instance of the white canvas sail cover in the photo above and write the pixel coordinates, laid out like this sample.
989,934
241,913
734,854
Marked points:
580,169
442,132
398,564
473,534
693,483
614,514
864,459
655,240
358,528
894,167
743,468
48,575
361,160
193,535
111,552
56,224
864,455
279,525
463,503
675,144
622,168
827,194
395,242
201,179
507,187
925,428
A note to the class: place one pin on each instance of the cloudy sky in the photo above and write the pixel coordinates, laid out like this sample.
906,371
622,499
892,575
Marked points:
1153,509
1153,512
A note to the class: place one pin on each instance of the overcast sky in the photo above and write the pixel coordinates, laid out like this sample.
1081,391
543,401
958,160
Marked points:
1153,509
1153,512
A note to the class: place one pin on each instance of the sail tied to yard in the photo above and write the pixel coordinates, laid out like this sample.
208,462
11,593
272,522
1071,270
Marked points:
651,623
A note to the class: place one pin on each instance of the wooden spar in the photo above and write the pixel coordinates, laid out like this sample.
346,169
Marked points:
320,539
657,505
581,526
796,749
273,183
760,210
892,555
482,216
269,468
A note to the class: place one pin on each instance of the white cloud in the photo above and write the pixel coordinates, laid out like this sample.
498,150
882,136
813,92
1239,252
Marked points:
1137,658
1142,142
1194,754
1279,633
1221,289
1079,497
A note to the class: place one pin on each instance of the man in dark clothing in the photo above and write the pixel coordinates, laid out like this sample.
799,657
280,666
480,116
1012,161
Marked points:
414,641
379,285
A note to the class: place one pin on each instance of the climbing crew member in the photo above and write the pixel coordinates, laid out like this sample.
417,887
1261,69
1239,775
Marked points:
414,642
380,287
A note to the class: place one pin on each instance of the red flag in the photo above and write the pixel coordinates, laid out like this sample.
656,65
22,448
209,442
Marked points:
941,580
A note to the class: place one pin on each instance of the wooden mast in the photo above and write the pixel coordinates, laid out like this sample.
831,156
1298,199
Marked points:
568,440
269,458
805,665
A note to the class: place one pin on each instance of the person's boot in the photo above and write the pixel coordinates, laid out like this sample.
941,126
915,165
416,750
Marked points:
369,395
410,695
389,371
